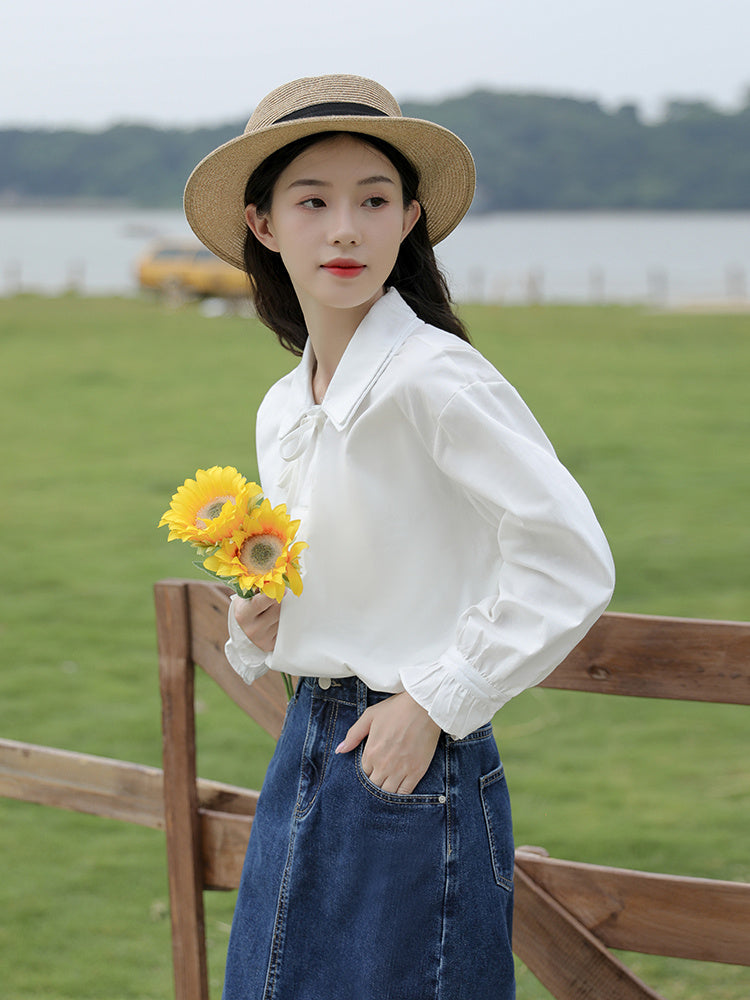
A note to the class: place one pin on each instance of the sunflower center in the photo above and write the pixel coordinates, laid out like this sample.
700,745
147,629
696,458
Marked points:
211,510
259,553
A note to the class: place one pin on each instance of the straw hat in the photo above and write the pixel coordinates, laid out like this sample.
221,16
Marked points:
215,191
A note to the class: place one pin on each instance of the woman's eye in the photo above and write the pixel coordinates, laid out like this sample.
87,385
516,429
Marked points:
313,202
375,202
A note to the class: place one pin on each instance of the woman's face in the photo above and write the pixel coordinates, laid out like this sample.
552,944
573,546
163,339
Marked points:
337,219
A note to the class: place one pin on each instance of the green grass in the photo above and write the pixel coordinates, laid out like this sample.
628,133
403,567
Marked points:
107,405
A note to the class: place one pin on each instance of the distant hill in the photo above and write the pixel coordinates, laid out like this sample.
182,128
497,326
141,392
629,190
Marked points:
532,152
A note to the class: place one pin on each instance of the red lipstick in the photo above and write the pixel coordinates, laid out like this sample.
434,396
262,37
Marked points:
344,267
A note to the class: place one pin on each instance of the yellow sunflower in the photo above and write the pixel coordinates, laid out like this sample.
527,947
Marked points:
261,555
208,509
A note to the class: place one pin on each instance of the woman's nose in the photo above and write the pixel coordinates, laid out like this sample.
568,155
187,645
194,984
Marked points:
344,229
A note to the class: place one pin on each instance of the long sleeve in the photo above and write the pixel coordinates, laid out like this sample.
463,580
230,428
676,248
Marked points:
555,573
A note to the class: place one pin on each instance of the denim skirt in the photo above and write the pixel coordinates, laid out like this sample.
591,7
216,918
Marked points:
352,893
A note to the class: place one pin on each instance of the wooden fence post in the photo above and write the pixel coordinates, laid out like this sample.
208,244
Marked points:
177,682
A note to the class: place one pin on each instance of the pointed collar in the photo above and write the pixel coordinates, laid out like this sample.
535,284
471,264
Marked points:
378,336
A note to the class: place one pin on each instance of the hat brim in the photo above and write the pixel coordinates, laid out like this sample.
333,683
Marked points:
215,191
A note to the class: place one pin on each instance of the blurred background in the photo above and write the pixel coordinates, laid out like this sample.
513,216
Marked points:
611,142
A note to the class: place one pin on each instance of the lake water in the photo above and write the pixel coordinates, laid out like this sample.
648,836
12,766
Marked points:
662,258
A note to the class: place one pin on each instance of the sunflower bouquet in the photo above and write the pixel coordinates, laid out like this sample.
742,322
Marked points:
243,541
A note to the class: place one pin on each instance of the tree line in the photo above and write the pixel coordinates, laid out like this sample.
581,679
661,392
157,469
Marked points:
533,152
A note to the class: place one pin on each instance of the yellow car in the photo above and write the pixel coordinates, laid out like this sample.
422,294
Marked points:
181,270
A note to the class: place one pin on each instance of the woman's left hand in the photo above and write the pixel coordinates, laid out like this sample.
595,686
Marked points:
401,742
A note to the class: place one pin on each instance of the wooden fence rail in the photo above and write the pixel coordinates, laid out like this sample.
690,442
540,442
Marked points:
567,914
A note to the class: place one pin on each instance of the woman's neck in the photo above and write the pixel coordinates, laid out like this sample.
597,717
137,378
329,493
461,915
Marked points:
330,331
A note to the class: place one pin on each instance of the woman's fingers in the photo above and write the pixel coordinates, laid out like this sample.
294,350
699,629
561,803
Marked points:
401,742
355,735
258,617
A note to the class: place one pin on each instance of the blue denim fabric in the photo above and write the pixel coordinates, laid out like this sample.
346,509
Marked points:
352,893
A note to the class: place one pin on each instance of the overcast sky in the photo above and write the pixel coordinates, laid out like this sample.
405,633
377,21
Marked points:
90,63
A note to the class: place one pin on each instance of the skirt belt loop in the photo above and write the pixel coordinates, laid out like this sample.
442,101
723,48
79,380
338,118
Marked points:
361,697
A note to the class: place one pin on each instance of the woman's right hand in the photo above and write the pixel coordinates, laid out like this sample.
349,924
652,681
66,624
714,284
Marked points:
258,617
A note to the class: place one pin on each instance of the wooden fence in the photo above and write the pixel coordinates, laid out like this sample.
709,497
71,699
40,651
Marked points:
567,914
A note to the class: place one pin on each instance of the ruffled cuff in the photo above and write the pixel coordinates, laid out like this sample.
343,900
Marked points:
453,694
243,655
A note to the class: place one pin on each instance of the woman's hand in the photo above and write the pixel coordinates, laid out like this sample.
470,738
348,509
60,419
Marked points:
401,742
258,617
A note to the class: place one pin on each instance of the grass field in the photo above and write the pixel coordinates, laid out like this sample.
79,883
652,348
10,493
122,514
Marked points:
107,405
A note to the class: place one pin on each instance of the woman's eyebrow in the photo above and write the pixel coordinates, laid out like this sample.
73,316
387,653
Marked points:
308,182
377,179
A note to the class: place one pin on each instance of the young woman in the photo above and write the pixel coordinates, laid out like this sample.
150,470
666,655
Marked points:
452,561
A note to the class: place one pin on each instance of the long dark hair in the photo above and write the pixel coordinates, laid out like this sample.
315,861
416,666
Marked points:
415,274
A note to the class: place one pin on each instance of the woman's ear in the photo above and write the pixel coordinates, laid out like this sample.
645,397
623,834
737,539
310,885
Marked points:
259,225
411,214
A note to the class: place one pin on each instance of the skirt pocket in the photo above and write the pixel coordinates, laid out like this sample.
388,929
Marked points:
431,790
493,791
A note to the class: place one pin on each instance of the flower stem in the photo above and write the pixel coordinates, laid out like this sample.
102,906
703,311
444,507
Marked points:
288,686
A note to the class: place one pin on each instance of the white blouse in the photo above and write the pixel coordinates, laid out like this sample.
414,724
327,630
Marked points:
450,553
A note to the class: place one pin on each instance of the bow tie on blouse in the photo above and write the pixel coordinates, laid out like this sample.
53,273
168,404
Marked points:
293,445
